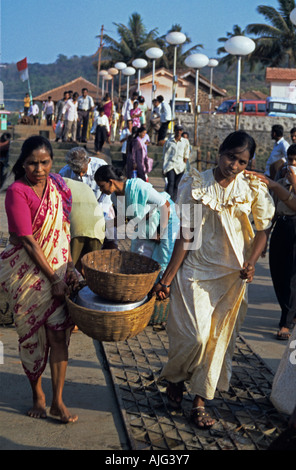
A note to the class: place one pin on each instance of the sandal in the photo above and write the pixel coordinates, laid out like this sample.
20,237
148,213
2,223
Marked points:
201,418
174,393
283,336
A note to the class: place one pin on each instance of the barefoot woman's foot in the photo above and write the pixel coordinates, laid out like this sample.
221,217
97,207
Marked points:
63,413
38,410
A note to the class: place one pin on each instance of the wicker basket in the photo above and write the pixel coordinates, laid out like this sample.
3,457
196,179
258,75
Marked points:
161,312
119,276
111,326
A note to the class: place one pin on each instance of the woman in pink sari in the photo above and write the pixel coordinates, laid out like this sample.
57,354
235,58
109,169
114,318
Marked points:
36,271
138,158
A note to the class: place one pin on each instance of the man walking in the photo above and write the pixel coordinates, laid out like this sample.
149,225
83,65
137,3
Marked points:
165,118
278,156
85,105
176,152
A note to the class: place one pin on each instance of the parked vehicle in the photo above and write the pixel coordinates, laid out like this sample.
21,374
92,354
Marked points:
282,107
182,105
247,107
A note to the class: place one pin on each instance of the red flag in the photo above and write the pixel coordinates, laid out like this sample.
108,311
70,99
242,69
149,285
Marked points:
22,67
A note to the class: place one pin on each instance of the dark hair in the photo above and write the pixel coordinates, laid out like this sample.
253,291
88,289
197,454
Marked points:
140,129
141,99
32,143
159,98
238,139
278,130
5,136
291,150
107,173
293,130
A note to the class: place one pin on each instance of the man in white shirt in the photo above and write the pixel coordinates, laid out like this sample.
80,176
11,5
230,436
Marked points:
126,132
176,152
102,126
70,116
48,110
81,167
165,118
34,112
85,105
278,156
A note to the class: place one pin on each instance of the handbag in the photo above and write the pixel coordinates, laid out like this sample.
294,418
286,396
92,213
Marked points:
283,392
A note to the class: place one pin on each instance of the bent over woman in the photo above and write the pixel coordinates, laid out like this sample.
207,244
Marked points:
153,213
36,271
207,284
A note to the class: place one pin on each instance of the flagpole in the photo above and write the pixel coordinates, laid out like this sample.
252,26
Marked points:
30,93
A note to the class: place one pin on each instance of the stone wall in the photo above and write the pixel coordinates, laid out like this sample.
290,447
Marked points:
212,130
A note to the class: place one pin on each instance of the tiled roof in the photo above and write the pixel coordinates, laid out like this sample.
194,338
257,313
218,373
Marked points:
279,74
75,85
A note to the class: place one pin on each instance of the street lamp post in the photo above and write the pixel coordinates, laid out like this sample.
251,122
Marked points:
175,38
239,46
153,53
103,74
139,64
197,62
119,66
128,72
108,78
113,72
212,63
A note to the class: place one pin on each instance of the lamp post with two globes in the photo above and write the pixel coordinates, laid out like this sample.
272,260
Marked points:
119,66
212,63
139,64
239,46
103,74
113,72
175,38
128,72
153,53
197,62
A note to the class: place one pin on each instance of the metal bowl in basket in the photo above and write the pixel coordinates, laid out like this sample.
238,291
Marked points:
119,276
111,325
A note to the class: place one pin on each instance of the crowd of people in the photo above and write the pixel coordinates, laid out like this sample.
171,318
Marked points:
53,221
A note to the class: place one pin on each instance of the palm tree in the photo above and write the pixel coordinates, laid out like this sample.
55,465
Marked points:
133,41
276,41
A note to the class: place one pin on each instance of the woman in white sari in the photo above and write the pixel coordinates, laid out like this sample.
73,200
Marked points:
207,284
36,271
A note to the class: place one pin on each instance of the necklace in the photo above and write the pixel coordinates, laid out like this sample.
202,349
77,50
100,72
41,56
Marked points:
30,184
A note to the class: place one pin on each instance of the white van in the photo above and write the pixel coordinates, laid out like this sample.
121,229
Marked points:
282,107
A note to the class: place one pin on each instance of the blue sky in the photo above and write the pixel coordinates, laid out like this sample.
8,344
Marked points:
42,29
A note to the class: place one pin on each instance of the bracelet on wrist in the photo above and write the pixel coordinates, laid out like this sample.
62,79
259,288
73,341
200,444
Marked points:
165,285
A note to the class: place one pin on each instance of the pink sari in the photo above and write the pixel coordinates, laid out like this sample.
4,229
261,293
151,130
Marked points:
28,289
